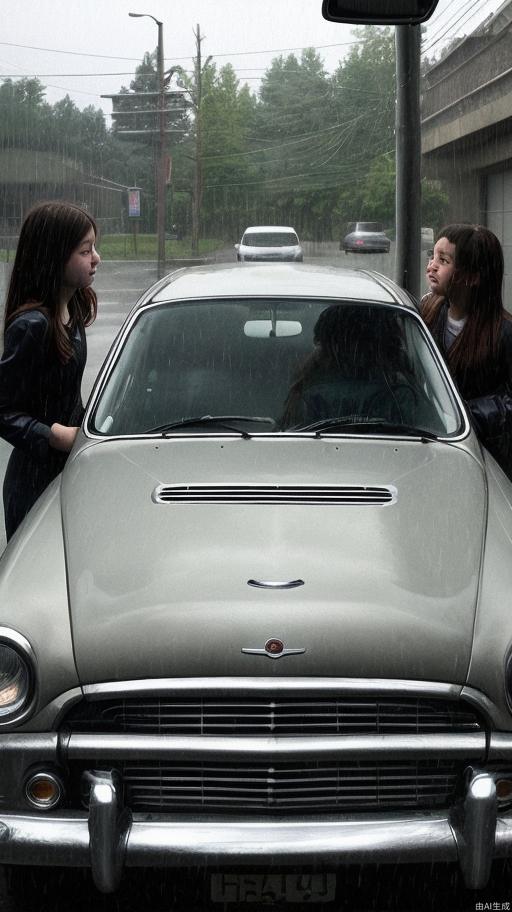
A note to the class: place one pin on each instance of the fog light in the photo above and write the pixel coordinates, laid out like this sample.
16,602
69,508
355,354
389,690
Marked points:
504,789
44,791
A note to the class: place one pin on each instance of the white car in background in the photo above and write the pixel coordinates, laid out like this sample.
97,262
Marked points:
269,242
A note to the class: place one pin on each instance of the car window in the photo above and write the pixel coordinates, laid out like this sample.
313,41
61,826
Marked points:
291,362
368,226
270,239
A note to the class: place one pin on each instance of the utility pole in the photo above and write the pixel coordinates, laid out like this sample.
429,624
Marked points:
160,182
161,96
197,192
161,165
408,158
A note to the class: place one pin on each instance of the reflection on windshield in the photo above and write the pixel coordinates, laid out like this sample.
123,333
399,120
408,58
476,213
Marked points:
361,363
270,239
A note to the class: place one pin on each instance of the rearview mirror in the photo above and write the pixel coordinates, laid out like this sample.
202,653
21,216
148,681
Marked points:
268,329
379,12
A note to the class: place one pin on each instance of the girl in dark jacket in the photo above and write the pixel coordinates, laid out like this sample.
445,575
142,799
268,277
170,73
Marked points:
49,304
465,314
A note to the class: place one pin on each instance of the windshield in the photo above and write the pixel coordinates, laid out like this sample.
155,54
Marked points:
368,226
293,363
270,239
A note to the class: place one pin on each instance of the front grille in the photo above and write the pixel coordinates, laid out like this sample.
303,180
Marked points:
355,495
284,787
274,715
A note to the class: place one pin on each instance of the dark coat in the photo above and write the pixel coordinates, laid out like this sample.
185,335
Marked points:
36,390
487,391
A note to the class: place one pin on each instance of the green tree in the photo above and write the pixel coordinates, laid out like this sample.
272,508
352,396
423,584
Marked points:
434,204
294,126
364,100
24,115
227,112
378,197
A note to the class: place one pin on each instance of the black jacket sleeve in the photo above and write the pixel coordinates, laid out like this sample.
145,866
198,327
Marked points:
492,414
21,373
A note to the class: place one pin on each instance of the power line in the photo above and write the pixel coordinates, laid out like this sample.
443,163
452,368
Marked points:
432,37
466,16
300,139
317,47
30,47
59,75
349,168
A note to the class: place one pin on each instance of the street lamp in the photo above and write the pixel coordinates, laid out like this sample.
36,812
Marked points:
161,167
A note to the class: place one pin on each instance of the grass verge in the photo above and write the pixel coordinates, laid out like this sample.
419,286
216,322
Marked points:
139,247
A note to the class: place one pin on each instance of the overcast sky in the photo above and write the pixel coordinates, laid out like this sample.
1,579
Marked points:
247,33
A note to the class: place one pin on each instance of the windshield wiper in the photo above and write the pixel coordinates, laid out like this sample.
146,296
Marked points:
376,424
224,421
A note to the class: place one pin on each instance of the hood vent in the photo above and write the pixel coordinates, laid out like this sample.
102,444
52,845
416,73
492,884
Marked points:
348,495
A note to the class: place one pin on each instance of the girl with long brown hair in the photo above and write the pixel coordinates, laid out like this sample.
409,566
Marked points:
49,303
465,314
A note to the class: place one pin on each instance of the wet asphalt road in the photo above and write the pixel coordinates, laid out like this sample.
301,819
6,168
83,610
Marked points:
418,888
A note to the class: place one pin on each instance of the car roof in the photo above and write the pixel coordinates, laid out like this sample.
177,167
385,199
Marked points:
256,229
286,280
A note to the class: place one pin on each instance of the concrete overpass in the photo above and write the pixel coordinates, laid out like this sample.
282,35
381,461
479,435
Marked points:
467,129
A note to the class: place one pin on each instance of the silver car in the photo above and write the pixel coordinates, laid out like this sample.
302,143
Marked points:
263,617
266,243
365,237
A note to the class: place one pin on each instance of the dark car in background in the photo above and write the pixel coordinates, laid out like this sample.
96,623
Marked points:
365,237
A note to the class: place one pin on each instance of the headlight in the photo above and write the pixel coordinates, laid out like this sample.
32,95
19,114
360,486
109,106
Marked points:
508,678
15,674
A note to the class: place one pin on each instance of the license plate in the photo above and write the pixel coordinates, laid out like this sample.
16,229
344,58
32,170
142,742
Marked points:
273,888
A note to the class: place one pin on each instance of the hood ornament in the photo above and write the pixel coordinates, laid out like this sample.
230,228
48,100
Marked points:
274,649
275,584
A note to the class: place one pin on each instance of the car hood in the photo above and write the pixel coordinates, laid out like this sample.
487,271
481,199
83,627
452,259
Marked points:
161,589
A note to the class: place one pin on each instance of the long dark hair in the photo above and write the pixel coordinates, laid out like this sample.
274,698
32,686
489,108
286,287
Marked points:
353,341
479,264
49,235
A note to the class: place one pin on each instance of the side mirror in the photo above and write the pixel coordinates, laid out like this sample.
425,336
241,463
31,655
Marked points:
378,12
237,246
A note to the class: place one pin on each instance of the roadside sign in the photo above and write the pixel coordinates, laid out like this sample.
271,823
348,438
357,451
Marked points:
134,202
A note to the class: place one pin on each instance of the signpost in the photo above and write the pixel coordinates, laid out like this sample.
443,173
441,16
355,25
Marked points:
134,202
134,212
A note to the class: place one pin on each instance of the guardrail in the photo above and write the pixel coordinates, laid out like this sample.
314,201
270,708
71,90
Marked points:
8,242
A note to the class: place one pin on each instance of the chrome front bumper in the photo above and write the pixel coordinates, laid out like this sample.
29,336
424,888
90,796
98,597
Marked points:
110,838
